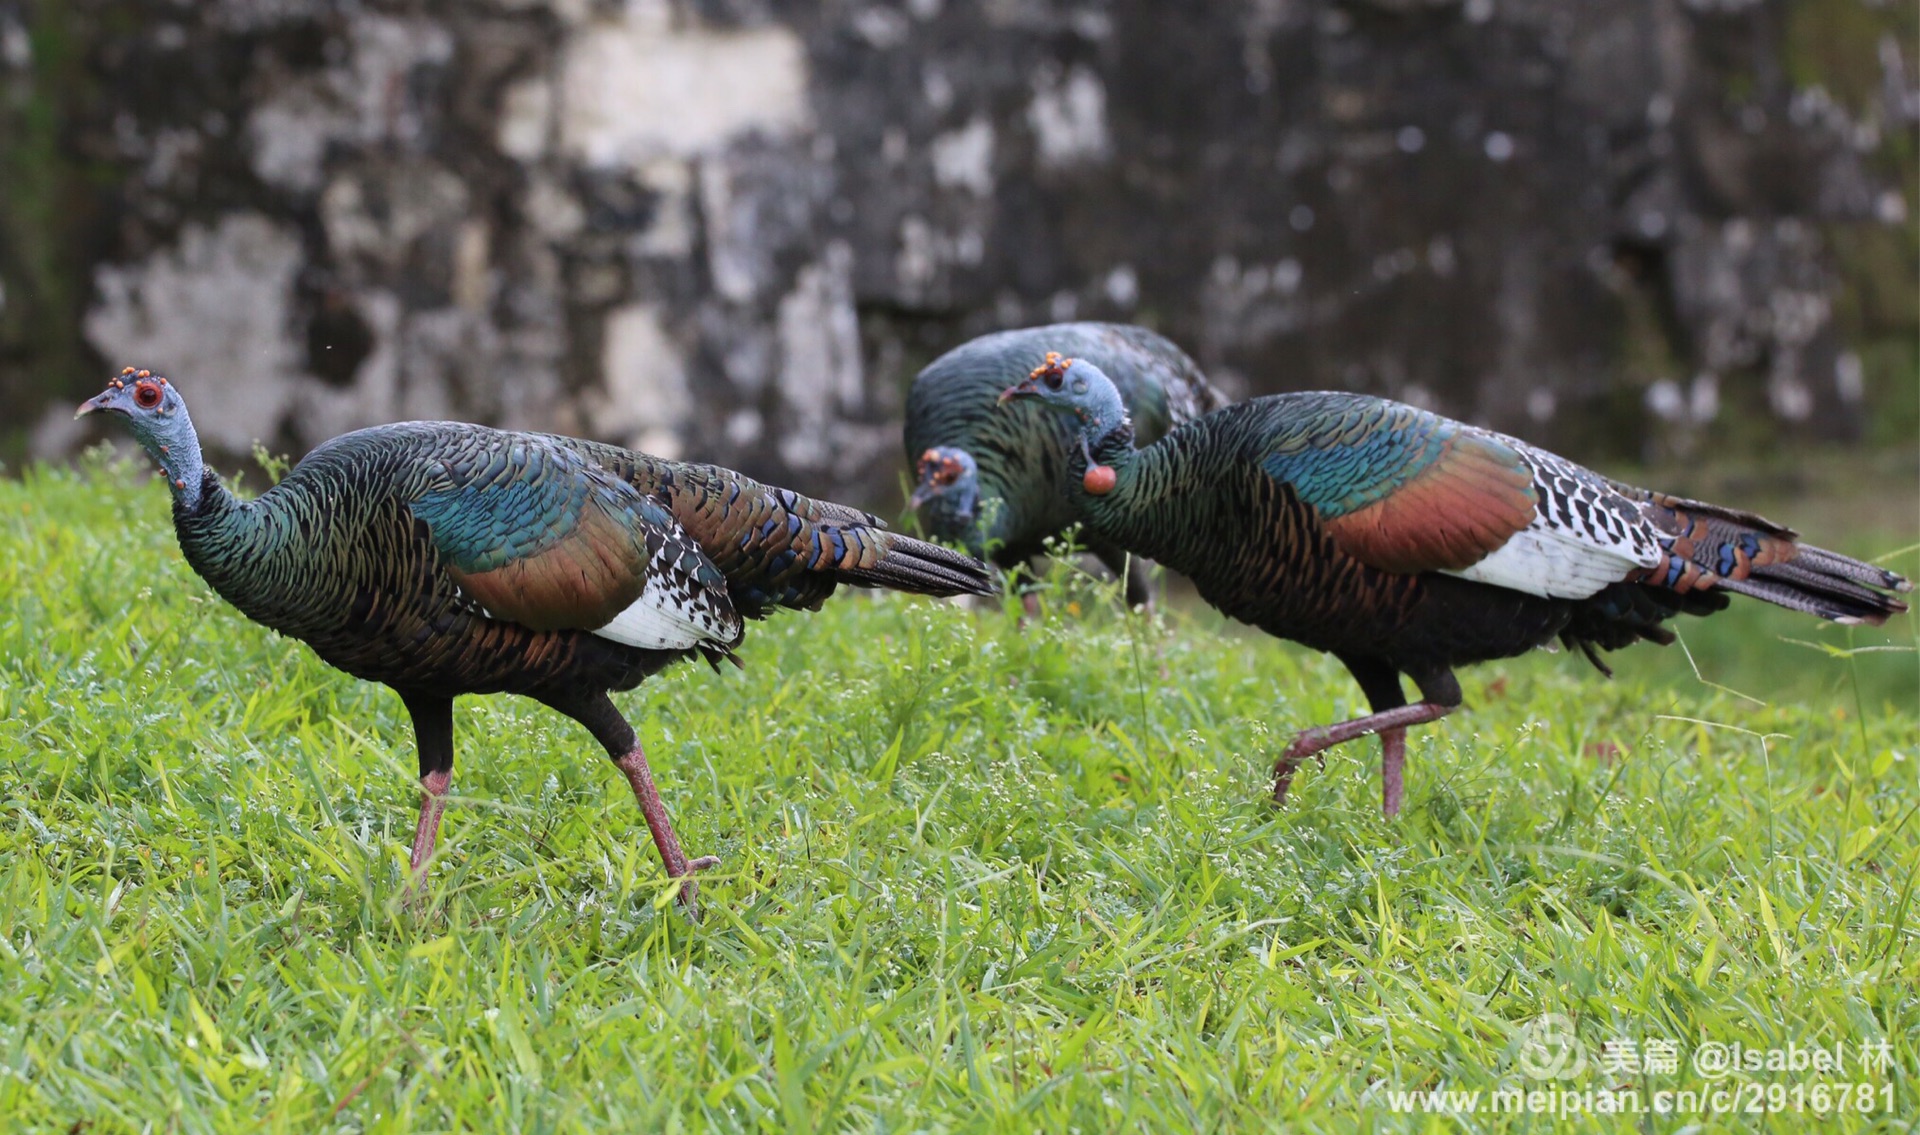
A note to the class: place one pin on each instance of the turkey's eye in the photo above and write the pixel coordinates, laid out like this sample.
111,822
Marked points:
1053,380
146,395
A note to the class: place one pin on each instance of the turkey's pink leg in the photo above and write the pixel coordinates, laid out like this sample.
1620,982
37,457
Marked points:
1393,757
1392,724
433,804
640,776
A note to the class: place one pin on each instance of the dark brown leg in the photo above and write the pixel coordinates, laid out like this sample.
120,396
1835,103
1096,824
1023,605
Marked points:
1312,742
640,776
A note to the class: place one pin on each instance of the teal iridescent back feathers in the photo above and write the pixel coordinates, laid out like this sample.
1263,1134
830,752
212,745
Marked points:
495,506
1342,457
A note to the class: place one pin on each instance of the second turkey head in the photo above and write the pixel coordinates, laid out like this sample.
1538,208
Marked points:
946,489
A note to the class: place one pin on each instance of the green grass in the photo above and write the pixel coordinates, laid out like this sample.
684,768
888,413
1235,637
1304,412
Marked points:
976,877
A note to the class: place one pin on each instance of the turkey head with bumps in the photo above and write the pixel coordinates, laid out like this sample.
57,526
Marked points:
990,479
442,558
1407,544
946,490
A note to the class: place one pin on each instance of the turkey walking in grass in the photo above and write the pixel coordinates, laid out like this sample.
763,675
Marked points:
1405,543
442,559
991,481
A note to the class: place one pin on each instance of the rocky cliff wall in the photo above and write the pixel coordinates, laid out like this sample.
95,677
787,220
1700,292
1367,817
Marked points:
735,228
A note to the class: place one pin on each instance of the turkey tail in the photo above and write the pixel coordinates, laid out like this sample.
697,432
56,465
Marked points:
1826,584
1709,546
780,549
851,546
903,563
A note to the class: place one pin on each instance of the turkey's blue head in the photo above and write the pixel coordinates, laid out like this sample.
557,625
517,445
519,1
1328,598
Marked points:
1080,389
1076,387
946,490
158,417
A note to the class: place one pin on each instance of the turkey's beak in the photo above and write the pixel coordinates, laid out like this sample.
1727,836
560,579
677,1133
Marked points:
1022,389
920,497
97,402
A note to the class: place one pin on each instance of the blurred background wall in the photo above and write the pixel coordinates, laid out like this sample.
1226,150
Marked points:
734,229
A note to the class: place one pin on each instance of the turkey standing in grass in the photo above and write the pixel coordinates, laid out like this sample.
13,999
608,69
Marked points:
442,558
991,481
1404,543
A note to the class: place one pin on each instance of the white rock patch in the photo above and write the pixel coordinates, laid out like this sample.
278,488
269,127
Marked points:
641,88
646,400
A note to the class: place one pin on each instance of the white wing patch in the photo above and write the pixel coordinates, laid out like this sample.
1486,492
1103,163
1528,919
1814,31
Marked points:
677,609
1558,565
1584,535
671,616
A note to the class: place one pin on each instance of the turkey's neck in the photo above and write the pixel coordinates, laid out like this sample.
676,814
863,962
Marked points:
1108,514
212,524
218,531
175,447
240,548
1112,447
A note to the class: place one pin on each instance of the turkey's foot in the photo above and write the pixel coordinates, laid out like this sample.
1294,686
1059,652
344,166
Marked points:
640,777
1392,727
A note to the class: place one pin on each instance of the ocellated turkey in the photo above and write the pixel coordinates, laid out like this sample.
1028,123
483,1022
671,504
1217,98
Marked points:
442,558
992,481
1405,543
